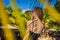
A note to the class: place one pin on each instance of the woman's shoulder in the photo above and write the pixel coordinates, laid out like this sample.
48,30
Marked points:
30,21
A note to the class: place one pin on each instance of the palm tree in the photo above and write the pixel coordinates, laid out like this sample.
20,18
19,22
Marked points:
19,19
51,11
7,32
9,9
49,1
57,6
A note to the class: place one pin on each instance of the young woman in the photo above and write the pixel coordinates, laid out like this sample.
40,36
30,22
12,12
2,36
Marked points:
35,26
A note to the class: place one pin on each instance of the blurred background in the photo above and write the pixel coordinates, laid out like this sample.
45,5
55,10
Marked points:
14,15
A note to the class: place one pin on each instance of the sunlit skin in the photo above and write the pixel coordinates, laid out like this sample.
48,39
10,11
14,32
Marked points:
8,34
29,28
51,11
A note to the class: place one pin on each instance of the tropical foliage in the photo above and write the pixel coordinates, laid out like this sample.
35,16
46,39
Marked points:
17,18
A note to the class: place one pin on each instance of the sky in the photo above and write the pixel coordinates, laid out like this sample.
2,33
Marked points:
27,4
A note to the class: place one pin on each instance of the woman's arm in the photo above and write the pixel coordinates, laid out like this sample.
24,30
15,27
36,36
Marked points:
27,31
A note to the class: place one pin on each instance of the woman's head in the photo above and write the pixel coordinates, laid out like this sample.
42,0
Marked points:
39,12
